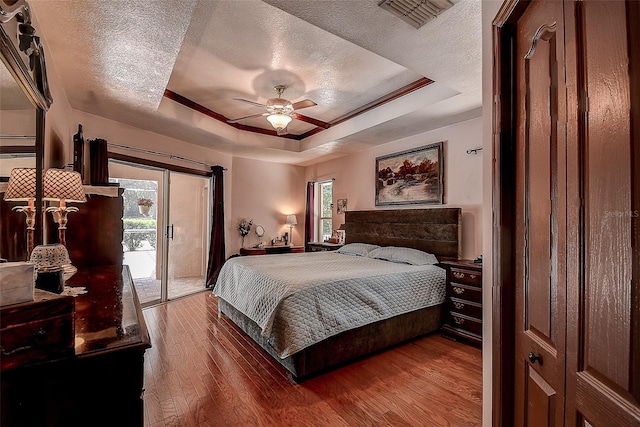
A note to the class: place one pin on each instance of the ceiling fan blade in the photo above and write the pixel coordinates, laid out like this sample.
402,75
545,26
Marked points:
246,117
303,104
250,102
311,120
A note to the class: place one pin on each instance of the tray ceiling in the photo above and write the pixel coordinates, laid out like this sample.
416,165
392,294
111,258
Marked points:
118,60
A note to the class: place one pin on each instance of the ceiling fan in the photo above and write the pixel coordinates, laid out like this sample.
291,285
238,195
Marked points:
280,111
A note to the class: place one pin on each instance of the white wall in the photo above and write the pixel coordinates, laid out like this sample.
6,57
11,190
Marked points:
265,192
57,131
355,177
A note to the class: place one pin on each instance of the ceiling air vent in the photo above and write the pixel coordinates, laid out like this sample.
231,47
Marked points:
416,12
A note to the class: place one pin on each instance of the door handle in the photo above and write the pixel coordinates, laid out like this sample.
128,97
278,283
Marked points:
170,231
533,358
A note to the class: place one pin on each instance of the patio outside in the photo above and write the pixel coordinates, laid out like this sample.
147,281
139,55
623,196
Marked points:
142,264
142,242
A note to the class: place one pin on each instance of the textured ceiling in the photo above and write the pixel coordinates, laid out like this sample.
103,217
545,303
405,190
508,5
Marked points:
117,59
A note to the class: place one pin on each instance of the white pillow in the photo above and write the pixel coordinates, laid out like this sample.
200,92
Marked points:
359,249
403,255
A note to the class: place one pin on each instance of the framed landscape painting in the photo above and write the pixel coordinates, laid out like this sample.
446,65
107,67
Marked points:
412,176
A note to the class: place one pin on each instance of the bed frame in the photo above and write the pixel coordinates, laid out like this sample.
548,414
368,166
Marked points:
437,231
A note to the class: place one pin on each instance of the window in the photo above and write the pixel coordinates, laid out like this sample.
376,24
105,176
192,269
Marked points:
325,209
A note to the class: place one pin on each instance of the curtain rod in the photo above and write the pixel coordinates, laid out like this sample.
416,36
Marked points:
323,180
157,153
17,136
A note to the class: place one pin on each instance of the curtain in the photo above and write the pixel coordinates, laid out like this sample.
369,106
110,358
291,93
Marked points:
217,249
99,166
309,229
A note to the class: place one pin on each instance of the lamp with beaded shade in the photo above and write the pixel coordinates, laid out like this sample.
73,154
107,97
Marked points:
62,186
22,188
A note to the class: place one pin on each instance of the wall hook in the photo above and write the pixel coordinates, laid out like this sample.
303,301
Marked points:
474,150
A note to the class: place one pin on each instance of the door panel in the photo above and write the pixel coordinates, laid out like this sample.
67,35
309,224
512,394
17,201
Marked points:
603,298
187,234
542,400
540,217
576,245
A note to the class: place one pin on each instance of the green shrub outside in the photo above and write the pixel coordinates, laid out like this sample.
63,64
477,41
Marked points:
138,223
133,240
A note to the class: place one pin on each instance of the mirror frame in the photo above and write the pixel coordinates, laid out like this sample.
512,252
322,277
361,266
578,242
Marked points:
35,86
256,230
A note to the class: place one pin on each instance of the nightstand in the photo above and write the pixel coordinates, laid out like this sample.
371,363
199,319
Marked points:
463,316
323,246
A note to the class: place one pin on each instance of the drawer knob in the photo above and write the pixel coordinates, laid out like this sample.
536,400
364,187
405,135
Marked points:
472,276
458,305
533,358
458,290
458,275
35,339
458,320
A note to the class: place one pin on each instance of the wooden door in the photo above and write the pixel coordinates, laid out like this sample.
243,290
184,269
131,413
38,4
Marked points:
603,341
540,217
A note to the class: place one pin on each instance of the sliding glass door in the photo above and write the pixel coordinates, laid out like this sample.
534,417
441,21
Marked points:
187,237
165,230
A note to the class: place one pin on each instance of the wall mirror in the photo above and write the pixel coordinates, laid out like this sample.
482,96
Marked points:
24,99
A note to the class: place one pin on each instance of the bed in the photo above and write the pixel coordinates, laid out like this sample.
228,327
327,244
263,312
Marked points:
315,311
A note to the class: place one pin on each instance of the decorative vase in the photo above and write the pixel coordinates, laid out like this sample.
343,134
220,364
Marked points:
144,210
243,236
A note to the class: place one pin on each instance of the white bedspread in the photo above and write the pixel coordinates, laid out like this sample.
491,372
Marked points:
300,299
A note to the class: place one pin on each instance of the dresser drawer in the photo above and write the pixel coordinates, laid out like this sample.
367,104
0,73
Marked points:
465,277
468,308
466,323
38,330
465,292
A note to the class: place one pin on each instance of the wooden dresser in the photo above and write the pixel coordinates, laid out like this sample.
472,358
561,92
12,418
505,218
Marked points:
88,242
101,382
463,317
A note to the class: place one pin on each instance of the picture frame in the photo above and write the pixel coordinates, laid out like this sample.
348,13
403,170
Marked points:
341,206
413,176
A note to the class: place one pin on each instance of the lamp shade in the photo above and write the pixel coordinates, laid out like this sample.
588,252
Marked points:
60,184
279,121
292,220
52,257
21,185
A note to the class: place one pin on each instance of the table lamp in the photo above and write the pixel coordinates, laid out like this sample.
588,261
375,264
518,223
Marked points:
62,186
292,221
22,188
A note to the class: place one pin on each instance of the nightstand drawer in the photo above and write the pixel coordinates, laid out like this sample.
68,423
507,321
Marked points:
465,292
468,308
466,323
464,300
465,277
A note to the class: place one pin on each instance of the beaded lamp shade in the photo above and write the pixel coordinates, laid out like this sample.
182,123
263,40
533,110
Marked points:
65,185
52,257
21,185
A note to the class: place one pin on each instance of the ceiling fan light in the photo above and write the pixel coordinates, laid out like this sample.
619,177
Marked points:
279,121
279,106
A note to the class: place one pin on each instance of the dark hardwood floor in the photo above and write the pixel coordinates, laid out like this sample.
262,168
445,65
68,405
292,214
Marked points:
204,371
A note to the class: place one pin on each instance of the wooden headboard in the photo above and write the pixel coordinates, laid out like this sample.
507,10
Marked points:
437,231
